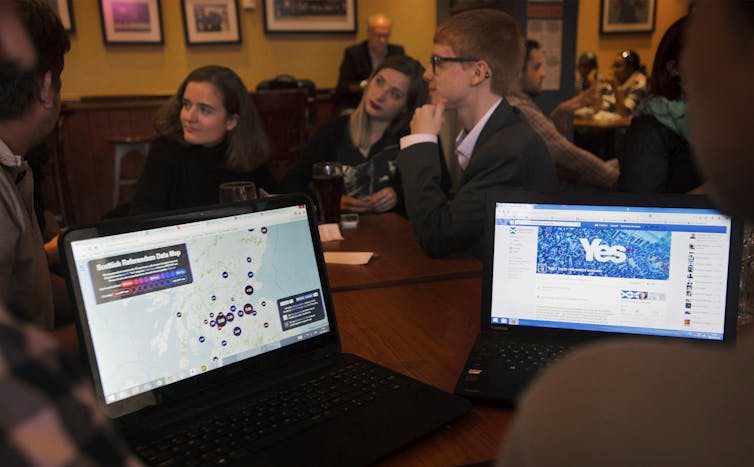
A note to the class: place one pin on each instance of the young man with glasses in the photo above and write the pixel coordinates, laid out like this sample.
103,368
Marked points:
477,54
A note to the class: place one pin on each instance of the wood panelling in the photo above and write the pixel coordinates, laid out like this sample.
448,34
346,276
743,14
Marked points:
79,178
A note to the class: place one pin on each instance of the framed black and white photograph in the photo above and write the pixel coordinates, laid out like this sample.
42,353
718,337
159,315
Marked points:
307,16
65,11
131,21
627,16
211,21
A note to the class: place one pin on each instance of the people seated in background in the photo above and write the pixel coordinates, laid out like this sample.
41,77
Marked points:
366,141
588,168
587,72
29,108
477,55
627,86
630,402
361,59
208,133
657,157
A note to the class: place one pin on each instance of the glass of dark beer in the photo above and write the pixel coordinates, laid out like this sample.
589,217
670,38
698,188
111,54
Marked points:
328,187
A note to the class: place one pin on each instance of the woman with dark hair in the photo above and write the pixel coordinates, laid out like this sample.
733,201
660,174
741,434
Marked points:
366,142
627,86
656,157
208,133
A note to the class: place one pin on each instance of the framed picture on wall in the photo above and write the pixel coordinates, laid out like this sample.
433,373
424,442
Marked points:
627,16
65,11
308,16
131,22
211,21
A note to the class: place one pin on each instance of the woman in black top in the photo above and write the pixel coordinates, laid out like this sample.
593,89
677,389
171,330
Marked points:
366,142
206,134
657,156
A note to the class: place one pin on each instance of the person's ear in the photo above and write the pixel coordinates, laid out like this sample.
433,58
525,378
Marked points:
231,122
481,72
47,93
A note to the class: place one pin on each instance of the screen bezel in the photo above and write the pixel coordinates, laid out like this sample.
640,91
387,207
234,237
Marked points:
322,345
606,199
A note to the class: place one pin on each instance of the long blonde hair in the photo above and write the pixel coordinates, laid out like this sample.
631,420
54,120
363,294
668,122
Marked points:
418,94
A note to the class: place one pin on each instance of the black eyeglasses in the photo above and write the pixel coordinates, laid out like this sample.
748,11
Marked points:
436,59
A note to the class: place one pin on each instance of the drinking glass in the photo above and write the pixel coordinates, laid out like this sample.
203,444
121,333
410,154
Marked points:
231,192
327,178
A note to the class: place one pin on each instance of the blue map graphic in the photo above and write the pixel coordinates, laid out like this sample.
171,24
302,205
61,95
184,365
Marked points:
603,252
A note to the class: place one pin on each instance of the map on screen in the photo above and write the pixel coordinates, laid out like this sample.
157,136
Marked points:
199,297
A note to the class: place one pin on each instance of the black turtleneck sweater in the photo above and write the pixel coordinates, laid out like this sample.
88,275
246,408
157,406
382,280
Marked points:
178,176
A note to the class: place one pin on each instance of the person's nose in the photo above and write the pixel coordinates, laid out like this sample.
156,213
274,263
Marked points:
428,75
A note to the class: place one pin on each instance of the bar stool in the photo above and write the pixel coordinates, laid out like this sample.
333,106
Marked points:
130,152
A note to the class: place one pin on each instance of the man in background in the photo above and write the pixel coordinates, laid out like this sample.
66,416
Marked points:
361,59
629,402
587,168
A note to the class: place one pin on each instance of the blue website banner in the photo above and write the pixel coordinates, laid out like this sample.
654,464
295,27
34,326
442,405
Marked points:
596,252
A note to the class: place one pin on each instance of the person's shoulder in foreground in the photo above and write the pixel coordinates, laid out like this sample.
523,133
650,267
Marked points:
638,403
476,56
48,413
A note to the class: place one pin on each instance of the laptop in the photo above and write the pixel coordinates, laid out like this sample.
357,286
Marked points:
563,269
211,338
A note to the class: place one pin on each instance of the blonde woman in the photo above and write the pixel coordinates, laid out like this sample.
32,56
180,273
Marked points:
366,141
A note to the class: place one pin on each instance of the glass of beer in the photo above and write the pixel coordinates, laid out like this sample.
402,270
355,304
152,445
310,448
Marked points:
232,192
327,178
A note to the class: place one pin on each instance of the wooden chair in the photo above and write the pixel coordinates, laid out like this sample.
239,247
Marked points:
284,118
129,153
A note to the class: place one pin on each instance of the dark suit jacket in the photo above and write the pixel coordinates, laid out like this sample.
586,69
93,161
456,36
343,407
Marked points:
508,154
355,67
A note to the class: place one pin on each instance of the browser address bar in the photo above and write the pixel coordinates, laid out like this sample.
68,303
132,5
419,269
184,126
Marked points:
552,223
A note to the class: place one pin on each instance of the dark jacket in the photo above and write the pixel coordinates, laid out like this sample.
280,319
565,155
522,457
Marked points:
655,159
508,154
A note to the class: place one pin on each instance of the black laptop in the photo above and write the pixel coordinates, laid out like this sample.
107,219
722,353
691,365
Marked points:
561,270
212,339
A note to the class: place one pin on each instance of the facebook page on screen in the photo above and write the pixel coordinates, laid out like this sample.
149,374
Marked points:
640,270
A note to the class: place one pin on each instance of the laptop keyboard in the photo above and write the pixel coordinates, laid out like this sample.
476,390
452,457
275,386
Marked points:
249,428
524,356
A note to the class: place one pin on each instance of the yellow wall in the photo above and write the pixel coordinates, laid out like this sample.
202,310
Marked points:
607,46
91,69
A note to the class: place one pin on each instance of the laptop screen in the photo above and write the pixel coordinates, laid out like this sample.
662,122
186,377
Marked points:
165,304
619,269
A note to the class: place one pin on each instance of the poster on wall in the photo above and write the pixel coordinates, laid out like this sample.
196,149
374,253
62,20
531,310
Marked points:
620,16
549,34
308,16
131,22
211,22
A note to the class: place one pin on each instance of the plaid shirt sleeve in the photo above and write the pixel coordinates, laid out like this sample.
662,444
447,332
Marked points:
48,412
590,168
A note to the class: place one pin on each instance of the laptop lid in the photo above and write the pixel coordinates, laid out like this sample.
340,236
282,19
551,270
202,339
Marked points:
175,305
593,264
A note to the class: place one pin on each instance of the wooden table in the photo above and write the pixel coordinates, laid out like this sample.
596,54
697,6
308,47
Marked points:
399,260
425,330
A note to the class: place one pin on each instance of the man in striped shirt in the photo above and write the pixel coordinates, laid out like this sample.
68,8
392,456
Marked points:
588,168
